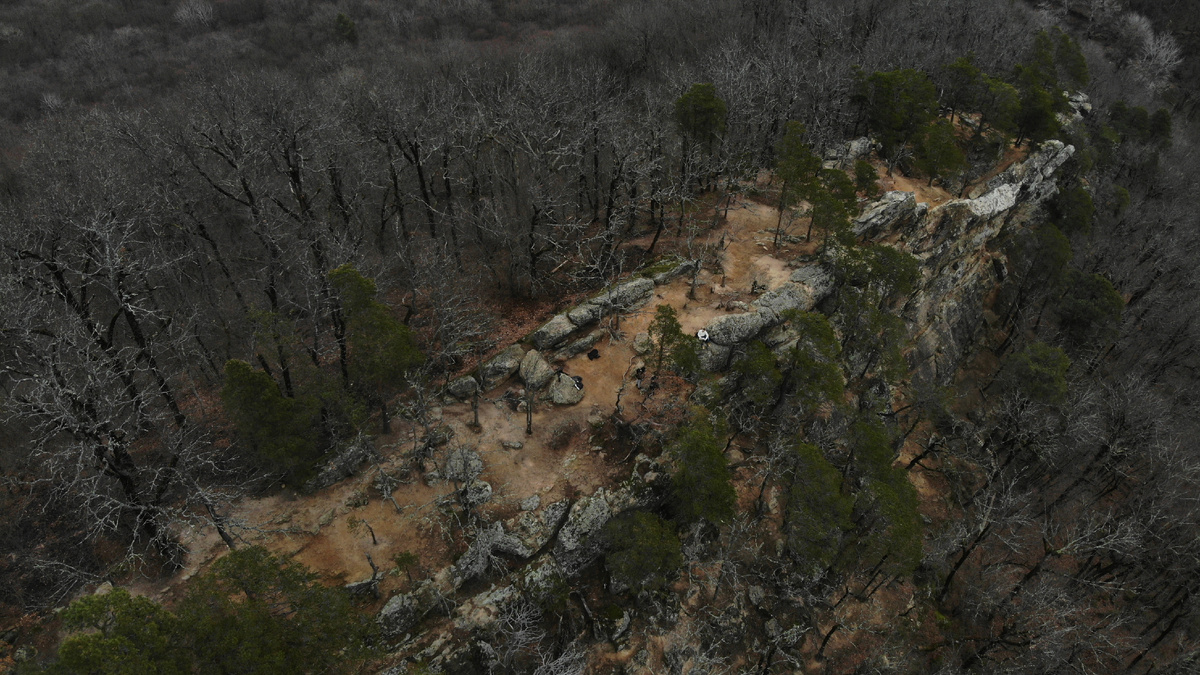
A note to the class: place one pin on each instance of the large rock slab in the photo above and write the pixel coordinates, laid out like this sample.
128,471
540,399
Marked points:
399,615
619,298
580,541
578,347
672,272
501,366
562,390
552,333
535,372
892,211
733,329
788,297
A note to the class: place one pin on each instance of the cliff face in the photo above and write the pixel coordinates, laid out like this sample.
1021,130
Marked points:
946,315
952,241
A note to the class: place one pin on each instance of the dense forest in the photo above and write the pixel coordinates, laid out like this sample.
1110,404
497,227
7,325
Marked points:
245,239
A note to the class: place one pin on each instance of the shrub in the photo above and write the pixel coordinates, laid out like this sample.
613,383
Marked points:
643,551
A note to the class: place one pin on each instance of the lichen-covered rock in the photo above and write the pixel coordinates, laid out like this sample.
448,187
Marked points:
477,492
463,465
846,155
535,372
579,540
816,277
488,543
563,391
344,464
682,267
788,297
480,612
552,333
544,583
892,211
619,298
734,329
953,244
501,366
531,502
399,615
1031,179
463,388
534,528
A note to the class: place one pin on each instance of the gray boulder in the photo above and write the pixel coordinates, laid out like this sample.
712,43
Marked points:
477,492
501,366
463,388
489,542
552,333
399,615
642,344
681,268
535,372
714,357
463,465
531,502
845,156
534,528
733,329
562,390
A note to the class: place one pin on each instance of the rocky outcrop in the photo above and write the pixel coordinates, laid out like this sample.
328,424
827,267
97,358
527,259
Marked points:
489,542
807,286
344,464
893,210
619,298
732,329
399,615
535,527
844,156
578,347
677,269
580,540
501,366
